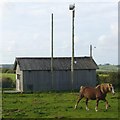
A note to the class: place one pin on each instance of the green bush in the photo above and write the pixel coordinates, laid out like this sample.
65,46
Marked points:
7,82
113,78
110,77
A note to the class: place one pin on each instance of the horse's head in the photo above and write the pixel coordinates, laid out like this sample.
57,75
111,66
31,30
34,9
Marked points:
111,88
106,87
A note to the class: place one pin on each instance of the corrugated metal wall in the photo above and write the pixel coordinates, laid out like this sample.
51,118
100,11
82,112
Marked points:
37,80
41,80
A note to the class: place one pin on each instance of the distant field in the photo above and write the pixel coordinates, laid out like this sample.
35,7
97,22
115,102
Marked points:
55,105
108,68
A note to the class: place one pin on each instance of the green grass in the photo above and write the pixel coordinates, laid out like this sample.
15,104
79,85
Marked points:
55,105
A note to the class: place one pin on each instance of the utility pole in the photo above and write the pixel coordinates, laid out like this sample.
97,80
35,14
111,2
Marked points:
72,7
52,49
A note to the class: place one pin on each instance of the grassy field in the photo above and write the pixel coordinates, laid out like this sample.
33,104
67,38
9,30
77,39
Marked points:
10,75
55,105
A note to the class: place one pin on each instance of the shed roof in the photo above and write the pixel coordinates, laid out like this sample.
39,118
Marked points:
59,63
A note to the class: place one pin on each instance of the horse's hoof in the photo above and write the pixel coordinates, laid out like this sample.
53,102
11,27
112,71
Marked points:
75,107
87,108
81,107
96,109
109,106
105,110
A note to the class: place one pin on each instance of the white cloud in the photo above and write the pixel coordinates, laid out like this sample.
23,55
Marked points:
109,40
11,46
27,28
114,29
25,0
107,46
9,41
30,10
76,39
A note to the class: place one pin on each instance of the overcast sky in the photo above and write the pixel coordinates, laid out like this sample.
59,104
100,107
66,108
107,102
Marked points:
25,29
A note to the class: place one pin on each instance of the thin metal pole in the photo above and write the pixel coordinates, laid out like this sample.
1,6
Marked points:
52,49
72,60
90,50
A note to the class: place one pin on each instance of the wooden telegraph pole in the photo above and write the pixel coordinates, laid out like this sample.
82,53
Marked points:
52,49
72,7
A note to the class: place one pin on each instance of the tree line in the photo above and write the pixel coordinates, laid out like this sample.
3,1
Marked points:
6,70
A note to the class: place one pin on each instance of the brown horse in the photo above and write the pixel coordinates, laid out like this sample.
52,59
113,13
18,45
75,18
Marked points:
97,93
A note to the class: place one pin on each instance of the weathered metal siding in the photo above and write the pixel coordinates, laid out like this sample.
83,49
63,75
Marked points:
62,80
41,80
37,80
84,78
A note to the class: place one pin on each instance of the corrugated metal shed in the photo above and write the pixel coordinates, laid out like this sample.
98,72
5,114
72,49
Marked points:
59,63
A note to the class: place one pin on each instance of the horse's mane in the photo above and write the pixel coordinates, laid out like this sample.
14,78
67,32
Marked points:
97,86
81,88
102,87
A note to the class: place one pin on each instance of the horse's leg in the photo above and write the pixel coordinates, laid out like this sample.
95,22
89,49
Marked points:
106,104
96,108
87,104
80,97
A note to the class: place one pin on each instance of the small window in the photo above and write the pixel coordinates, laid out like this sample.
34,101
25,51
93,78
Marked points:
18,76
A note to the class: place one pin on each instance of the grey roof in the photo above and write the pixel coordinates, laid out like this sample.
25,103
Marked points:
59,63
